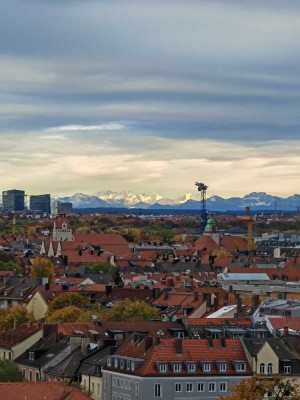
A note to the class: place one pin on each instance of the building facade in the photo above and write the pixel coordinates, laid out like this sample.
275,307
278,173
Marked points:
174,369
41,203
13,200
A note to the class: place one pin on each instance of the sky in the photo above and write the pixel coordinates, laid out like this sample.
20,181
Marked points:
150,96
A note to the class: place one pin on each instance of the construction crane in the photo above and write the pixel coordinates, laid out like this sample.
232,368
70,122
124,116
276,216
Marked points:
202,189
249,221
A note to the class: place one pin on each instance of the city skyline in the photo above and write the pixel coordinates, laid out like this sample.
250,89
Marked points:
150,97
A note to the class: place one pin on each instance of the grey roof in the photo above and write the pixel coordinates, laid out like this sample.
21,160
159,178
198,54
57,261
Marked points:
46,349
17,287
244,276
67,367
89,363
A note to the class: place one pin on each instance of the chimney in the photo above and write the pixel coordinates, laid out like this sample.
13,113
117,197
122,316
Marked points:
286,331
216,302
108,290
49,329
75,341
178,346
255,301
84,345
148,343
238,303
155,293
223,343
196,296
157,341
47,286
208,302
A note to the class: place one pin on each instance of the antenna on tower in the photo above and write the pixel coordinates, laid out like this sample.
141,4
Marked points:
202,189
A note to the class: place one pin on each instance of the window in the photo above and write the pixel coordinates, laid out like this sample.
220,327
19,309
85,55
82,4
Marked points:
177,367
211,387
92,387
109,361
223,387
206,367
287,369
128,364
222,367
201,387
178,387
30,375
105,382
84,384
31,355
191,367
116,363
163,367
157,390
137,389
189,387
37,376
98,388
23,372
262,368
241,366
270,368
114,381
122,364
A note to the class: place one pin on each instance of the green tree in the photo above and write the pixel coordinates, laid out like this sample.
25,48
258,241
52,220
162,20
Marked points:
9,372
104,268
117,277
42,268
66,314
8,263
128,310
256,388
9,315
65,300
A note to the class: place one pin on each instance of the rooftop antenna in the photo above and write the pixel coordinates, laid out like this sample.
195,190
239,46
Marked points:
202,189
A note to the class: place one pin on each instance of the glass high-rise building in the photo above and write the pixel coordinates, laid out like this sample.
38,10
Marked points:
13,200
41,203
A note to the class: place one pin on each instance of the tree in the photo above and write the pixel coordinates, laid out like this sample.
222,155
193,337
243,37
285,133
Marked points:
128,310
104,268
42,268
256,388
66,300
66,314
8,263
9,372
117,278
9,315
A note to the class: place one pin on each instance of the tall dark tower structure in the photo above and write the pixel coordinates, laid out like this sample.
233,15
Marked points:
13,200
202,189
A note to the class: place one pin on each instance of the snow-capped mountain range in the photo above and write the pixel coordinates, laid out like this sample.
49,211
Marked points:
128,199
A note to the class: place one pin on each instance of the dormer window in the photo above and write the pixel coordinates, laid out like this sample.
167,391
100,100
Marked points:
122,364
116,364
108,362
222,366
176,367
128,364
240,366
31,355
162,367
206,366
191,367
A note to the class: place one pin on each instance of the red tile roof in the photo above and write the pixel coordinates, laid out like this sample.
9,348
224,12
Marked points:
192,350
40,390
281,322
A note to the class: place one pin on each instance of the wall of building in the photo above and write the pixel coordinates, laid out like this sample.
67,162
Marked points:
92,385
144,387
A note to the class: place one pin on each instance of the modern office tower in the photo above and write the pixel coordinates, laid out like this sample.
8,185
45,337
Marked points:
41,203
13,200
58,206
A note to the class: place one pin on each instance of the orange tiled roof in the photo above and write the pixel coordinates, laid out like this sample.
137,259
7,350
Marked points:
40,390
192,350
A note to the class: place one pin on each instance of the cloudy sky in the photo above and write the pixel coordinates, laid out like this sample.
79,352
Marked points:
150,96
